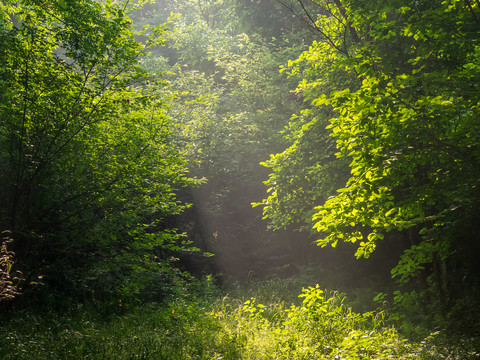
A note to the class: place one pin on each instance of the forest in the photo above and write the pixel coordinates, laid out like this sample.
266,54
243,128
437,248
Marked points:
239,179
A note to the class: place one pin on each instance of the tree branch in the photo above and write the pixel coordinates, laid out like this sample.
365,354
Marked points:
352,31
474,15
311,23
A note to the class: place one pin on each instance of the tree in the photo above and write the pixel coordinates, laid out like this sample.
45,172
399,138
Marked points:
308,172
407,126
88,166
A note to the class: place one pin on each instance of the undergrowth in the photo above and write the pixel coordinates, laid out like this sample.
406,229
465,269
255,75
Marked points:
320,325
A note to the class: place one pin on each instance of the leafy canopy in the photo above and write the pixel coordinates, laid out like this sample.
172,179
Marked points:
395,87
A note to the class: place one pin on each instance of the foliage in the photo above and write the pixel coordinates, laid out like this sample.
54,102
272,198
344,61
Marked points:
89,169
308,172
411,136
321,327
231,102
230,97
94,150
402,113
9,285
235,108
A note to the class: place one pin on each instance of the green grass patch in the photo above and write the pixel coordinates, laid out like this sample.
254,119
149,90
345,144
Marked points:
320,325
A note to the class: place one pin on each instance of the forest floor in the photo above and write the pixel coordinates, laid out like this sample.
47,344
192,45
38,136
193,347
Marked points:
264,320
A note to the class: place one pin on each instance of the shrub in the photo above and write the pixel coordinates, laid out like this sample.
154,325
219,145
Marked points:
9,283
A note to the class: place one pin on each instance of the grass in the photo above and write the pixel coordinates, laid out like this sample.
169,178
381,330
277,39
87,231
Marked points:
178,331
319,325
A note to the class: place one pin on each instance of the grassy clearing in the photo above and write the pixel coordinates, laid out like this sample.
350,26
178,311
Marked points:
319,326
